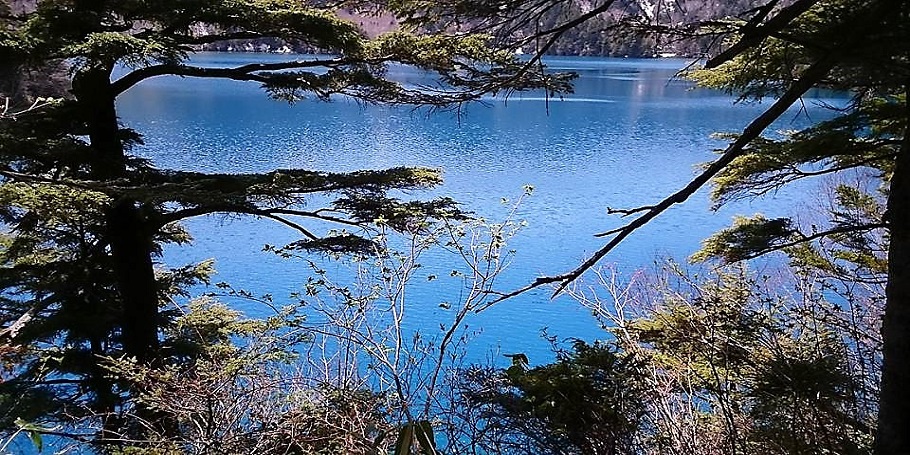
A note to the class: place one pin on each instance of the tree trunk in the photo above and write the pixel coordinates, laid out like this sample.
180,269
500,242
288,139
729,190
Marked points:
127,232
130,240
894,401
131,247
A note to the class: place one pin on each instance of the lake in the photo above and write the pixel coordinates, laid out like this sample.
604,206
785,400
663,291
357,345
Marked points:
629,135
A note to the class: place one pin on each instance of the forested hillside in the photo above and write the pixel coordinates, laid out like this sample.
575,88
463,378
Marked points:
20,83
631,28
599,36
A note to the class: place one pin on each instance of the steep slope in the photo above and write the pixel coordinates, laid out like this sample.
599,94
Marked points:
600,36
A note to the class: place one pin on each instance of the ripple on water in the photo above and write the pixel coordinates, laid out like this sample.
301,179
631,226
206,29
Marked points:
628,136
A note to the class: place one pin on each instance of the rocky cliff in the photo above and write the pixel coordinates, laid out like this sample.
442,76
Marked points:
21,84
596,37
600,36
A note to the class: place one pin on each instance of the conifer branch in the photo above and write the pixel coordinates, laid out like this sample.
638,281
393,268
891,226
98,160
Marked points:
244,73
799,173
239,35
272,213
818,235
21,177
773,181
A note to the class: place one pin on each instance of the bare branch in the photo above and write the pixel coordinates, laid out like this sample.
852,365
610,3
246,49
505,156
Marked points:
812,75
626,212
290,224
754,34
7,111
12,330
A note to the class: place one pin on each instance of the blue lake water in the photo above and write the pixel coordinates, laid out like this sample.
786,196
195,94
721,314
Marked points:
629,135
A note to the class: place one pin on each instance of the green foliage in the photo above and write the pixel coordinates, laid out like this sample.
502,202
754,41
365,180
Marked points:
240,391
864,137
589,401
724,362
748,238
114,47
87,219
343,383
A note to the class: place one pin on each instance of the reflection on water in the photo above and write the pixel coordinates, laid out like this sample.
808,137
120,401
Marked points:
629,135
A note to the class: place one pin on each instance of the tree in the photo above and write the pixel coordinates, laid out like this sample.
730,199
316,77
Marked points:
782,50
590,401
86,218
356,379
726,361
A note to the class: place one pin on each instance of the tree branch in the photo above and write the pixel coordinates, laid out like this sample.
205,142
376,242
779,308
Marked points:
772,181
20,177
626,212
207,39
752,35
815,73
557,32
244,72
272,214
818,235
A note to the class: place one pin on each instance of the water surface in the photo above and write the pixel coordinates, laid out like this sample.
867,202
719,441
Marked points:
629,135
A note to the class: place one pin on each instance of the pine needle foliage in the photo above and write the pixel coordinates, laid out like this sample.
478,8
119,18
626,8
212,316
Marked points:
85,218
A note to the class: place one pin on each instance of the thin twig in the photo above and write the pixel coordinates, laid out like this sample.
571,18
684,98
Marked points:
812,75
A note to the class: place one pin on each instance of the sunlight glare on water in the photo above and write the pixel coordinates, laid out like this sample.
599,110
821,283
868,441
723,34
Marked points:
629,135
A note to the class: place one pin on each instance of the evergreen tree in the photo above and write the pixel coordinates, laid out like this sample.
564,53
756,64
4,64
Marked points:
718,363
782,50
862,48
858,47
85,218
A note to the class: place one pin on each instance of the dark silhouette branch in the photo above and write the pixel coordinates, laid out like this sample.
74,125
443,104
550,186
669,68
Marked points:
306,233
812,75
243,73
754,34
818,235
626,212
761,13
556,32
272,214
